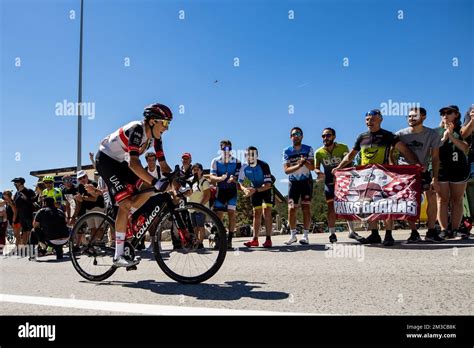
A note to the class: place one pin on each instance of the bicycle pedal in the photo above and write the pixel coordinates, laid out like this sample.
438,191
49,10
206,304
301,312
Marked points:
131,268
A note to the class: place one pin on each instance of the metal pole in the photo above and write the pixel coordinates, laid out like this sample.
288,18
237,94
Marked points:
79,116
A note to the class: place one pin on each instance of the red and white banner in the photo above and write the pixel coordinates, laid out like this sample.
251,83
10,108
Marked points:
378,192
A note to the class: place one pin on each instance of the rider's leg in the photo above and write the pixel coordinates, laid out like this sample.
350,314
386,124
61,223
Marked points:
257,221
121,226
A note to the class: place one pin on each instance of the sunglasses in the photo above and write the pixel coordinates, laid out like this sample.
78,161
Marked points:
296,134
48,182
326,136
446,113
165,123
82,178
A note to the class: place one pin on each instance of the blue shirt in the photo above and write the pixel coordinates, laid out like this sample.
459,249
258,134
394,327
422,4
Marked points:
258,175
231,168
291,157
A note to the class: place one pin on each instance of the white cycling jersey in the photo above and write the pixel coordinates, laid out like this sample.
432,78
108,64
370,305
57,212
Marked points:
130,140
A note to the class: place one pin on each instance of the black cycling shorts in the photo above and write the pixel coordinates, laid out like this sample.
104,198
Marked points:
300,192
267,197
457,174
120,179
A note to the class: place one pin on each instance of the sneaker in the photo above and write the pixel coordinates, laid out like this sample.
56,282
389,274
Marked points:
252,243
372,239
355,235
304,240
332,238
267,244
200,246
465,234
388,241
433,237
292,240
414,237
450,235
444,234
121,261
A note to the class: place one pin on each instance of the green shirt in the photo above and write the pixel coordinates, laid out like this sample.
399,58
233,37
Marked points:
54,193
330,160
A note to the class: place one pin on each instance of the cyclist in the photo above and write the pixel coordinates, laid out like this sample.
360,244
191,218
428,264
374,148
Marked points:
225,172
261,193
119,165
329,156
51,191
298,162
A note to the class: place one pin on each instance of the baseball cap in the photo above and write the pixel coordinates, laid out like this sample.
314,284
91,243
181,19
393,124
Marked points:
80,174
20,180
449,107
186,155
373,112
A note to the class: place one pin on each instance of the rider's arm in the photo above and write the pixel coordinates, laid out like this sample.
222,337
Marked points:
267,178
160,156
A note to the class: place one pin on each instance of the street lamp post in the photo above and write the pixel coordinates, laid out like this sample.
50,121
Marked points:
79,116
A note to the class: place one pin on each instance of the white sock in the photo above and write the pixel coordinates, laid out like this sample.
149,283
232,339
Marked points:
305,233
293,233
119,244
332,230
350,224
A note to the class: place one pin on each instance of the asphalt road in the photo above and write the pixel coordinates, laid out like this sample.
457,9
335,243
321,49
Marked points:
419,279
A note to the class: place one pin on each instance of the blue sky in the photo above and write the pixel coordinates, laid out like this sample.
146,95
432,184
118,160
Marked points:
282,62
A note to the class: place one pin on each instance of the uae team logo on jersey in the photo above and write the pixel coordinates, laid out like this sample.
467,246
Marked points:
376,192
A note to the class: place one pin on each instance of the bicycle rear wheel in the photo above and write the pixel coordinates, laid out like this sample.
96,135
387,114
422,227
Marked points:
201,256
91,246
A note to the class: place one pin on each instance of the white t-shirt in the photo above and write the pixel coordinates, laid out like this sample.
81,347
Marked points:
198,191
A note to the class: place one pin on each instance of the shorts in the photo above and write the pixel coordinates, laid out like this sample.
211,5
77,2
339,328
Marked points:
26,224
300,192
198,219
454,175
226,199
119,178
329,191
95,222
265,197
426,180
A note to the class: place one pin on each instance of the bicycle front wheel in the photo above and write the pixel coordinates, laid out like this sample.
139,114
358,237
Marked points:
91,246
201,256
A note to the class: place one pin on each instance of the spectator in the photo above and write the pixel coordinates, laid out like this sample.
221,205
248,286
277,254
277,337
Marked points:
261,193
51,191
454,171
38,199
298,162
50,226
467,132
152,168
225,171
186,169
3,223
12,216
374,147
201,194
69,191
89,198
329,156
424,142
23,199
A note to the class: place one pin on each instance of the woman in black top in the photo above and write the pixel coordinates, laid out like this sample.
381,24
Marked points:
454,171
12,216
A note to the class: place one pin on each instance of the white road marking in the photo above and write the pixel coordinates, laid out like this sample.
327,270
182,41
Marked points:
133,308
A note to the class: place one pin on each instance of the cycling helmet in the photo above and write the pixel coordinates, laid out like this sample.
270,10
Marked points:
48,178
158,111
